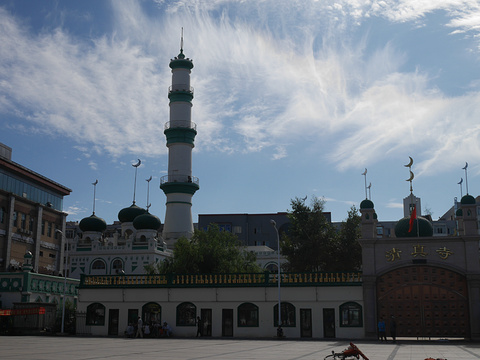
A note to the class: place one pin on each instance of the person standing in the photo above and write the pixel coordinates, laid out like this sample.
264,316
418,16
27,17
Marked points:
199,326
393,329
382,330
139,327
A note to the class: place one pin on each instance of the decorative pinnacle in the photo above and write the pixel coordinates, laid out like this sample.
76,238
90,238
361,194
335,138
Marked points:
365,175
409,165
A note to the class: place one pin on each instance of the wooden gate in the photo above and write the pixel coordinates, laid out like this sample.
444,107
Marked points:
426,301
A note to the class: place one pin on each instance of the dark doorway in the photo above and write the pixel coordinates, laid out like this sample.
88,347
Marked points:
329,323
227,322
206,315
113,322
306,322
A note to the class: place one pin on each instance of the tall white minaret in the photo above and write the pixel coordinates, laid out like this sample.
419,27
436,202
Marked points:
179,185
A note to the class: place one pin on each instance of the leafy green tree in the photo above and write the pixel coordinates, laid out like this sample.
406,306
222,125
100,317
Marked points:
311,237
208,252
313,244
348,250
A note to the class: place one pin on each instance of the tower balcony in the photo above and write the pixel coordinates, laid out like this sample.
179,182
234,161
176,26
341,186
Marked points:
180,124
180,88
178,183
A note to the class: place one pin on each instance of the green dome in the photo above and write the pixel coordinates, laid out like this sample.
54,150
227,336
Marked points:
28,255
130,213
147,221
181,62
366,204
375,217
459,212
468,200
92,223
424,226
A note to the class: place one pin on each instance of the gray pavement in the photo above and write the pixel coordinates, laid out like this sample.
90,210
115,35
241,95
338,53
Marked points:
94,348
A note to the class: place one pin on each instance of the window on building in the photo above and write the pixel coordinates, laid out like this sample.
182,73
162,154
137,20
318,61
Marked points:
186,313
98,265
31,223
23,221
379,230
2,215
237,229
49,229
351,315
287,314
117,266
95,314
43,227
15,217
247,315
151,313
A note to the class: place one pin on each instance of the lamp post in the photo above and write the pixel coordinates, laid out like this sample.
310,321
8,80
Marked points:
64,277
274,224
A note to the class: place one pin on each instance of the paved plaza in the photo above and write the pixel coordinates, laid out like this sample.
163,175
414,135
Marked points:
90,348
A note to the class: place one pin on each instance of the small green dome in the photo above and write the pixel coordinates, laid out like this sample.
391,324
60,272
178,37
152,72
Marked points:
181,62
92,223
366,204
147,221
468,200
129,214
28,255
375,217
459,212
425,228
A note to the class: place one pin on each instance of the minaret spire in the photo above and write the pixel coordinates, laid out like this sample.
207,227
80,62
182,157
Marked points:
135,182
179,185
365,175
466,178
94,193
148,192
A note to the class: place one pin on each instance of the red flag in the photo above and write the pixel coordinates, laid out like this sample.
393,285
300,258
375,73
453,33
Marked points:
413,216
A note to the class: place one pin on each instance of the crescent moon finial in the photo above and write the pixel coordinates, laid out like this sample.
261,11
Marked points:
149,179
411,176
95,183
466,166
137,164
410,163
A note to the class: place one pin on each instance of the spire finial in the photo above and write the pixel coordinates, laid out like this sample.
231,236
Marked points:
181,42
466,179
148,191
135,183
409,165
94,193
460,183
365,175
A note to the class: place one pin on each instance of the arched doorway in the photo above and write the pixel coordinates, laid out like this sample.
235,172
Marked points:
426,301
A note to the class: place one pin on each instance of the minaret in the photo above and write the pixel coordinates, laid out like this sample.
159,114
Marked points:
179,185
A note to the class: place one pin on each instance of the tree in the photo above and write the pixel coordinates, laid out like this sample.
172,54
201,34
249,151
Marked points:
311,238
208,252
313,244
348,251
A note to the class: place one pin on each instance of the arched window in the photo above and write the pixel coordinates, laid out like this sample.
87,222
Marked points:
98,265
351,315
272,267
151,313
186,313
287,314
247,315
96,314
117,266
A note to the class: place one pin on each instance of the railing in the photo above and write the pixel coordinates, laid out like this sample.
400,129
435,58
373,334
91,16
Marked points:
180,87
178,178
223,280
182,124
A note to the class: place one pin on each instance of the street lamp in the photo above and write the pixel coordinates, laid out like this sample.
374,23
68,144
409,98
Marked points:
64,277
274,224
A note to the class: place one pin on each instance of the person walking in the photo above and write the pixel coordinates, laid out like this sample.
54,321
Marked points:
139,328
199,326
393,329
382,330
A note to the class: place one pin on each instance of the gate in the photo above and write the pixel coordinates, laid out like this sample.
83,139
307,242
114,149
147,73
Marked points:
426,301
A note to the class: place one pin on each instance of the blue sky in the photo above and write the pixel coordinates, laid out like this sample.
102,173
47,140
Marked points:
292,99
